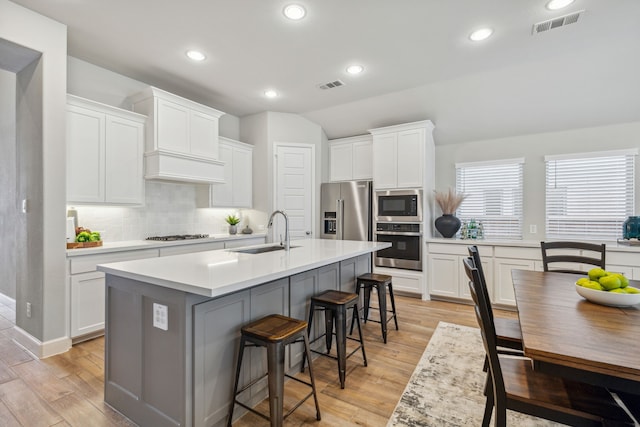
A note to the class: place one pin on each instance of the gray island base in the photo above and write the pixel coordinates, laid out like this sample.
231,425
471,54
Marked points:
173,324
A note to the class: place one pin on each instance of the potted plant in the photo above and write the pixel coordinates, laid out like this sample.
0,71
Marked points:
233,222
449,201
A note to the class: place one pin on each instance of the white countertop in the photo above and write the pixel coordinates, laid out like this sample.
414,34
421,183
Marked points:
611,246
127,245
219,272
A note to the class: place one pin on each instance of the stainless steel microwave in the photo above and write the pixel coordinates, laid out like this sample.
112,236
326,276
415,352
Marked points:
398,206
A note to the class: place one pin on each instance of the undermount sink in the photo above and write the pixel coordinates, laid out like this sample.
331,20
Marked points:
261,249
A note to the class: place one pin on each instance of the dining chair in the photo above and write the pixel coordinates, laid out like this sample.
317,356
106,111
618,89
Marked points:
508,331
514,385
556,252
631,401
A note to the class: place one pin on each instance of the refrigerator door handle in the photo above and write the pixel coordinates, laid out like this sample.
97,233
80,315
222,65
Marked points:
340,221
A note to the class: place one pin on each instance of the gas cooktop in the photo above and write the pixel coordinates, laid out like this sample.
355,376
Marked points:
178,237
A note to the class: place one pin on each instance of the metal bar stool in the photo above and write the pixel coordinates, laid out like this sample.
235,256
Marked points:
274,332
335,305
369,281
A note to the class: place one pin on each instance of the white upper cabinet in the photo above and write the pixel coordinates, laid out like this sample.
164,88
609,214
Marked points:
350,158
104,153
238,166
399,154
182,138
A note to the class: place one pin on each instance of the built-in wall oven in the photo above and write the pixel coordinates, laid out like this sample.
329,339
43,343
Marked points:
406,245
398,220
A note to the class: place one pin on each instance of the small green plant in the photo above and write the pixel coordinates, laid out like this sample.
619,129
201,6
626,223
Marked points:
232,220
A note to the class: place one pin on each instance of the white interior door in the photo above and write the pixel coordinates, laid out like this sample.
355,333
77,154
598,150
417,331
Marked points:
294,189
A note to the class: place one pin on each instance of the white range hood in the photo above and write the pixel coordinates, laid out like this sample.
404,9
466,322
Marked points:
181,138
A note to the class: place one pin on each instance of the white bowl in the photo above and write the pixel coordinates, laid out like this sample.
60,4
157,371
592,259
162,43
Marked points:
608,298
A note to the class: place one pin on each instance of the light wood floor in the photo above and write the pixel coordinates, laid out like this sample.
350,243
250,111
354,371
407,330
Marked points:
67,390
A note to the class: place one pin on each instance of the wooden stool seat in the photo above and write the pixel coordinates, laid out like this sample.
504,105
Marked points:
335,305
380,282
274,328
335,298
274,332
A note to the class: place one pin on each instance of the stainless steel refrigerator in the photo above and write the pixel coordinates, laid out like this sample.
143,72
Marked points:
345,210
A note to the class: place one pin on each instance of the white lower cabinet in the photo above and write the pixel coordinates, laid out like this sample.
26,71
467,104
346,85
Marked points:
404,281
503,284
87,303
87,290
447,276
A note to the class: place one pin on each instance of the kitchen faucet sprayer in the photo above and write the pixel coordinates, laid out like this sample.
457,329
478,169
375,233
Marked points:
287,241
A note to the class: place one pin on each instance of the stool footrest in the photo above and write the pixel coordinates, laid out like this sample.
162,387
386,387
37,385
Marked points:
331,356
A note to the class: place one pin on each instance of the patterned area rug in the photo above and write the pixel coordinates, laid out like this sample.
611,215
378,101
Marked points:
446,388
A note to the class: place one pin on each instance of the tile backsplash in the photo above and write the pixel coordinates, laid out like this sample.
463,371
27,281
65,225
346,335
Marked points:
170,208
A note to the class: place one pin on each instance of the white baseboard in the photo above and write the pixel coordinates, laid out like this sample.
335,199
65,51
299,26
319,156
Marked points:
38,348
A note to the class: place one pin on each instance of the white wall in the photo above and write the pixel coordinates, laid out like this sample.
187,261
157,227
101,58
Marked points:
8,211
263,130
533,148
38,33
102,85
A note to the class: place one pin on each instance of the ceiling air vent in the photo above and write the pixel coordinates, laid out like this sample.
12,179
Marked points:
331,85
561,21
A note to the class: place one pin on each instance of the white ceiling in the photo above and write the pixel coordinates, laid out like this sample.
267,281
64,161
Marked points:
419,62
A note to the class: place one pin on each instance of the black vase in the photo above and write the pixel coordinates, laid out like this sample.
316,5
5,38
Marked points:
448,225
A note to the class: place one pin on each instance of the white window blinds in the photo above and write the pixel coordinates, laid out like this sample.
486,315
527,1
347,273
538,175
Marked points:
588,196
494,196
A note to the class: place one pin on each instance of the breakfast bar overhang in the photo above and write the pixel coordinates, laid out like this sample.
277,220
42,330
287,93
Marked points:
173,323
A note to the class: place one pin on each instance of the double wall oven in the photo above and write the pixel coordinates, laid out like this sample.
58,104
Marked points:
398,220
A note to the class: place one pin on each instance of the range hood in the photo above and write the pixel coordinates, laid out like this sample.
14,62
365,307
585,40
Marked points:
181,138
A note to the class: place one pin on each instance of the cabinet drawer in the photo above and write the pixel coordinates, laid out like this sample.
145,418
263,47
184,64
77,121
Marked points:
520,253
186,249
407,284
622,258
87,263
457,249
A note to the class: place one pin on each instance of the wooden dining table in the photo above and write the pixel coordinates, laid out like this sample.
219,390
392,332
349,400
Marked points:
566,335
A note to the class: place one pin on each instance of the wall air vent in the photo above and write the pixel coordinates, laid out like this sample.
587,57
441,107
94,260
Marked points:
561,21
331,85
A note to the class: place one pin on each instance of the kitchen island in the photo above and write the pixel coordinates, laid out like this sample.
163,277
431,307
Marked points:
173,323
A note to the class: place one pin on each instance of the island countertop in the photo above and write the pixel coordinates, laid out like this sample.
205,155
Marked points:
219,272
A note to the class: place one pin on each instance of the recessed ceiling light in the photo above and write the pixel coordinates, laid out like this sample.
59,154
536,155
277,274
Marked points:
196,55
294,12
270,93
481,34
355,69
558,4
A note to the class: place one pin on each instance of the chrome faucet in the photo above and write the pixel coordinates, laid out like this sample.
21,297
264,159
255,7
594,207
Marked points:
287,241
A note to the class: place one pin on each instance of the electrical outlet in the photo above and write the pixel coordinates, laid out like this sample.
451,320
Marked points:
533,229
160,316
28,309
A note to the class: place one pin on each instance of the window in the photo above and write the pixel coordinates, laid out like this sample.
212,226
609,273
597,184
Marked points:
589,195
494,196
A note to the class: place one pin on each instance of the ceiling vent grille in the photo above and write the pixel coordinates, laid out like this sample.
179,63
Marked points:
331,85
561,21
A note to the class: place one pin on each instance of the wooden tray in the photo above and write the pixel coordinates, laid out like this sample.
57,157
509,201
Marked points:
78,245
